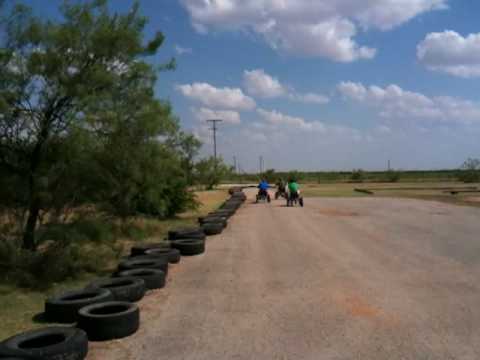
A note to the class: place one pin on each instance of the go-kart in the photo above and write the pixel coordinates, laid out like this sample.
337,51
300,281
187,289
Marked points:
294,199
280,193
263,195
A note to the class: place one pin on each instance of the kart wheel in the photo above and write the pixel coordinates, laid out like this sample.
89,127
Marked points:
301,202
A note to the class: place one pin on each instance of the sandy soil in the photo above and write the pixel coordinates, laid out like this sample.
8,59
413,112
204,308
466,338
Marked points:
363,278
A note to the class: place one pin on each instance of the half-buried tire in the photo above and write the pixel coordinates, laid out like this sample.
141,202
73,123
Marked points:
109,320
189,247
151,255
154,278
186,233
212,228
140,249
144,263
129,289
173,254
64,308
213,219
223,212
52,343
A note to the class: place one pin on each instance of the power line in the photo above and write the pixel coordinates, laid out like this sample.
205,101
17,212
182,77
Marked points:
214,129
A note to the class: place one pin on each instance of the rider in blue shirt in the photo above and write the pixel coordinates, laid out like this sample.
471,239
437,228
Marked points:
263,187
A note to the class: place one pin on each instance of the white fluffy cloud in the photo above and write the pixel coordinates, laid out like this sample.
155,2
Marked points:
310,98
223,98
394,102
451,53
320,28
182,50
294,123
229,116
258,83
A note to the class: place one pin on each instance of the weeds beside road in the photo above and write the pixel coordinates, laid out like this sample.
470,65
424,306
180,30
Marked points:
19,307
414,190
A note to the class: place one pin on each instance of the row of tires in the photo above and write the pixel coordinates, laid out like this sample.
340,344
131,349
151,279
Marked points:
105,309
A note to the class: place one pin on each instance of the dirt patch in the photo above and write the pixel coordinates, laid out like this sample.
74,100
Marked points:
475,199
357,307
337,212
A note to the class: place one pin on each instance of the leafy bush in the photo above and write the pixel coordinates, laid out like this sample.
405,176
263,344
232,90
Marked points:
358,175
470,171
209,172
392,176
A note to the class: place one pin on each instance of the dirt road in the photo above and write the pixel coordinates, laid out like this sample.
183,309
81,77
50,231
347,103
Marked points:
358,278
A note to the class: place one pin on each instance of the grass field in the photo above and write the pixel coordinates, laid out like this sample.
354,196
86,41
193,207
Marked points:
20,309
424,191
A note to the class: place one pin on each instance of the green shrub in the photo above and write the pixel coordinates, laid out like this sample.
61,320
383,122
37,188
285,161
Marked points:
358,175
36,270
392,176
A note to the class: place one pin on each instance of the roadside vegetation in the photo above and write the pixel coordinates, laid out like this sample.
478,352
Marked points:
468,172
96,255
90,159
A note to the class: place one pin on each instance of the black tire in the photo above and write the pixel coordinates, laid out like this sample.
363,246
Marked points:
64,308
152,255
172,254
109,320
186,233
123,289
223,224
140,249
215,220
154,278
212,228
51,343
230,206
144,263
300,201
190,247
223,213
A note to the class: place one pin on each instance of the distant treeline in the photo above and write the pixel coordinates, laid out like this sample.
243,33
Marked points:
354,176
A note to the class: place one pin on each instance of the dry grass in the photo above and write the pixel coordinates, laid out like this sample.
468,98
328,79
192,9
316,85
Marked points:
19,308
424,191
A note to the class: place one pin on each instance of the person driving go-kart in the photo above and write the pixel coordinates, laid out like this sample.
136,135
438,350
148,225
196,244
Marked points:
263,190
293,195
281,189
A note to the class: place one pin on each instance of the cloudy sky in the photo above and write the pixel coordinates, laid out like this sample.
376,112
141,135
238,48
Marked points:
323,84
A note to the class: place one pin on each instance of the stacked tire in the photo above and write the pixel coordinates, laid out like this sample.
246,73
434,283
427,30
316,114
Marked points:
215,222
188,241
106,308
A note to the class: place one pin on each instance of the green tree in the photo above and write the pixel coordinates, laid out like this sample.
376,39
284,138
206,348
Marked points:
210,172
358,175
470,171
189,146
63,86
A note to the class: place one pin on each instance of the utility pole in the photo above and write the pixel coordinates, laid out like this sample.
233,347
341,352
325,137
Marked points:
388,164
261,164
235,163
214,129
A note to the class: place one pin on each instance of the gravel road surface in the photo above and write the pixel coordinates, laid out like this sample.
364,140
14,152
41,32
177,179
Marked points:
359,278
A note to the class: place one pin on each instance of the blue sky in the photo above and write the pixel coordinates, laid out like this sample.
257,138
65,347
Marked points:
325,84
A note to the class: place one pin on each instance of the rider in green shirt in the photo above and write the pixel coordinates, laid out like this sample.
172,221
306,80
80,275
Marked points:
293,187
